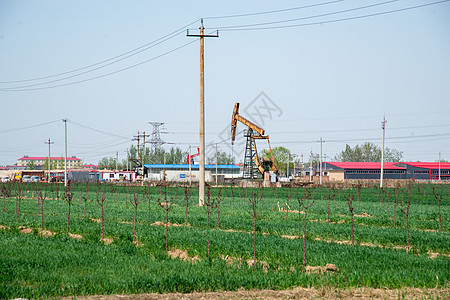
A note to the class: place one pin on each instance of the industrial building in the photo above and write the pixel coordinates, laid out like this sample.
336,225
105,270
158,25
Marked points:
339,171
180,172
72,162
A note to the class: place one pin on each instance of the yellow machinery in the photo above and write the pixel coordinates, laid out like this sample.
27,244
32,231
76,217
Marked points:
251,155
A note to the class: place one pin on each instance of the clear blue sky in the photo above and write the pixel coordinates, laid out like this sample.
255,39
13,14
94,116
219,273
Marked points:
331,79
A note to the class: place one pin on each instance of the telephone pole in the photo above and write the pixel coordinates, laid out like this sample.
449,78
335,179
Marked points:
49,159
143,155
439,166
383,127
65,152
201,190
217,161
320,160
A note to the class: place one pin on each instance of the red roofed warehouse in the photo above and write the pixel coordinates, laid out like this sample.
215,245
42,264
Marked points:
338,171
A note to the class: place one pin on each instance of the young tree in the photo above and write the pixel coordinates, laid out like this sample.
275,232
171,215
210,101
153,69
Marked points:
42,195
255,210
187,196
219,200
350,207
439,196
135,202
210,205
68,196
331,195
101,197
85,197
404,208
306,203
358,189
19,196
148,195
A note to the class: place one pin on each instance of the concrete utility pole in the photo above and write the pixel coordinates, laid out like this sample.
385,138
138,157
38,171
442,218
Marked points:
143,155
383,127
49,159
439,166
320,158
117,160
201,190
217,161
65,152
310,166
189,162
302,166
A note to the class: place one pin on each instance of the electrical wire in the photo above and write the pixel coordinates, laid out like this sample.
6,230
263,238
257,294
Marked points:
98,130
92,70
28,127
308,17
272,11
103,75
127,54
337,20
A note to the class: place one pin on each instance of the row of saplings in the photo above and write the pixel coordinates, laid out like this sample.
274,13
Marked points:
211,203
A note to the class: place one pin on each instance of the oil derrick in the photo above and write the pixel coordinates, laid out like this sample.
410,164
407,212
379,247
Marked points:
252,164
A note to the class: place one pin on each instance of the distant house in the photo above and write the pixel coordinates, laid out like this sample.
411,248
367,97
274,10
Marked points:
89,167
72,162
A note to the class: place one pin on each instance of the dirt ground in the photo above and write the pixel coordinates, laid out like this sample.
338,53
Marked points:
296,293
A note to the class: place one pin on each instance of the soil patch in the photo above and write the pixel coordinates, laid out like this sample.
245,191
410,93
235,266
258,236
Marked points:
95,220
296,293
319,269
363,215
159,223
75,236
107,241
183,255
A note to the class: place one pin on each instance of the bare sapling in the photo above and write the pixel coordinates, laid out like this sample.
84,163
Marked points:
404,208
19,196
6,192
255,210
210,205
439,196
167,206
307,202
101,197
418,194
187,197
42,195
68,196
85,197
135,202
331,195
288,195
148,195
232,200
358,189
351,208
57,197
395,201
219,199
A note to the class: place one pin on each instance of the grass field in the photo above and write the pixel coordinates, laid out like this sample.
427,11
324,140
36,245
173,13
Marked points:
35,263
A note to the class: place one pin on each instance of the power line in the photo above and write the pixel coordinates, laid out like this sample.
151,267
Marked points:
98,130
272,11
28,127
101,76
308,17
130,52
89,71
336,20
